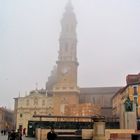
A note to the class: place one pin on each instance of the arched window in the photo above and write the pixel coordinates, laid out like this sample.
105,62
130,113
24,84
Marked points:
43,102
35,101
27,102
21,115
93,100
34,112
135,89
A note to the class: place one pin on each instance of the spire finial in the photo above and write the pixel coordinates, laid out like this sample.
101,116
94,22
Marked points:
69,6
19,94
69,1
36,84
25,93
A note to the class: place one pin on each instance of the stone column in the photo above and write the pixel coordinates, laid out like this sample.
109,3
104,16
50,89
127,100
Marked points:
99,130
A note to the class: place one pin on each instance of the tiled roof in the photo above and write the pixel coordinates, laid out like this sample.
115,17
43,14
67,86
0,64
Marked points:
99,90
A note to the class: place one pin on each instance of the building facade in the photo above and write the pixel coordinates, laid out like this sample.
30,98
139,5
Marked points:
35,103
6,119
131,90
100,96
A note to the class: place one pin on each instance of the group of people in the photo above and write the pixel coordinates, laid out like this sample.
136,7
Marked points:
13,135
3,132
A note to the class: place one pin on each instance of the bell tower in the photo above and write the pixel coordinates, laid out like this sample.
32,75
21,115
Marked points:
66,91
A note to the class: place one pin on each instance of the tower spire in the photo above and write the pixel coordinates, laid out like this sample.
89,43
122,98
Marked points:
69,6
66,80
68,37
67,58
36,86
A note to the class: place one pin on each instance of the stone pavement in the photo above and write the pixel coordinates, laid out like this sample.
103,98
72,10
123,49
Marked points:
24,138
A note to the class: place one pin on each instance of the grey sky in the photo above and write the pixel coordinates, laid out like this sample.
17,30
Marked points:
108,33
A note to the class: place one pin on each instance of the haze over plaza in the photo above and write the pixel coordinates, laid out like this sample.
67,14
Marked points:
108,43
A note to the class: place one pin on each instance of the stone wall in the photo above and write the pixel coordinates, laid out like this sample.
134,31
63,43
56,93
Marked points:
87,134
41,134
108,132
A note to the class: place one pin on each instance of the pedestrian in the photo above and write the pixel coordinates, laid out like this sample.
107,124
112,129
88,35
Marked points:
24,131
19,135
4,132
9,135
12,135
51,135
1,132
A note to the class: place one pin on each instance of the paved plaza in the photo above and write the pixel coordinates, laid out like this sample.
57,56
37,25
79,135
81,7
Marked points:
24,138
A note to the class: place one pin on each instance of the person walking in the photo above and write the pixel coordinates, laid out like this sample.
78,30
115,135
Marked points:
1,132
12,135
51,135
19,135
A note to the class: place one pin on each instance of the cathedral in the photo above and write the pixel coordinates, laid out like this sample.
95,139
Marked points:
62,95
62,83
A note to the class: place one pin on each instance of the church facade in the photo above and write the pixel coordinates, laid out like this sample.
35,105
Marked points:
62,95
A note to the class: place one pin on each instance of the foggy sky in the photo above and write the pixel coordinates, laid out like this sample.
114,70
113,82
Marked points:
108,34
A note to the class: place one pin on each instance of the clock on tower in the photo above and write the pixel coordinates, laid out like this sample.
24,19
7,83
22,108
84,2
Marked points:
65,70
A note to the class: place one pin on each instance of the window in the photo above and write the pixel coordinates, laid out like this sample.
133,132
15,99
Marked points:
66,48
21,115
43,102
93,99
27,102
35,101
135,90
34,112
